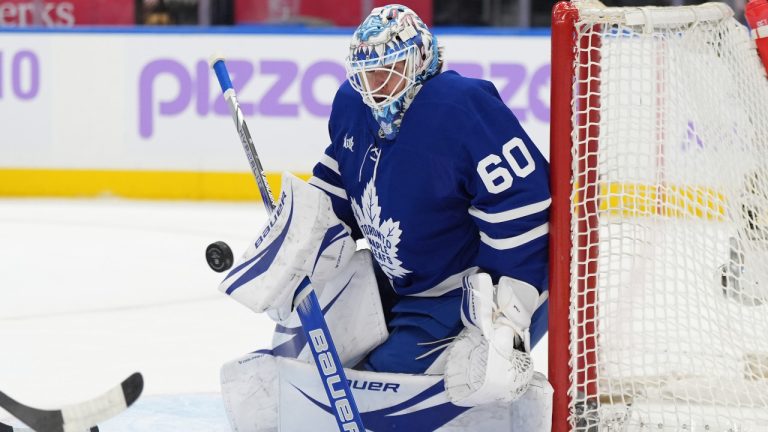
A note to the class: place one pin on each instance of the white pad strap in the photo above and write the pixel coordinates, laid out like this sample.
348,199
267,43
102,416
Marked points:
517,301
477,302
303,237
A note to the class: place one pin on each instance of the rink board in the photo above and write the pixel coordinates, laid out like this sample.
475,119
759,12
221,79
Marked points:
138,113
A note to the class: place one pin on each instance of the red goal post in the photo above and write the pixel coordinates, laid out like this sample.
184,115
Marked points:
659,221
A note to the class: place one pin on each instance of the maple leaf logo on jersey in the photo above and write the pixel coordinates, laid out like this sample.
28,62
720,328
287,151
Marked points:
382,237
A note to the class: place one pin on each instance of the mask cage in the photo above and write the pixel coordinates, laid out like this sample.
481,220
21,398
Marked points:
365,76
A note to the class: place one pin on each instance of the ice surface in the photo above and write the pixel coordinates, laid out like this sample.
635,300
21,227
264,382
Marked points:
93,290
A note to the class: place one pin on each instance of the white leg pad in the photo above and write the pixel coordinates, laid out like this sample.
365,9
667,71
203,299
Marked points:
249,392
352,311
265,393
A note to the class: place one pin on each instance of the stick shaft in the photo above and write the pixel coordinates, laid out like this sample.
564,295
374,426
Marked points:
250,150
327,360
220,68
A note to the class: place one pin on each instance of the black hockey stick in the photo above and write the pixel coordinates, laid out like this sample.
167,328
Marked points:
79,417
8,428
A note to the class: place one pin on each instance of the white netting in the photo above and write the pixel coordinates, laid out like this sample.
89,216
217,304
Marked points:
669,281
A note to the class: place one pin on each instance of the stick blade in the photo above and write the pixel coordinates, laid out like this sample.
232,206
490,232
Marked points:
132,388
78,417
39,420
81,416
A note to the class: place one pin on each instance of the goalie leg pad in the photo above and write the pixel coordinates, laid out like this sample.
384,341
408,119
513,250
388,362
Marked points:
303,237
263,393
352,308
249,388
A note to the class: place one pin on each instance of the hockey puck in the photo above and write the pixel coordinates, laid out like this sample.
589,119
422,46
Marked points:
219,256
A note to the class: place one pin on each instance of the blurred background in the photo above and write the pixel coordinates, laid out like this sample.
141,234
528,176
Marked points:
480,13
489,13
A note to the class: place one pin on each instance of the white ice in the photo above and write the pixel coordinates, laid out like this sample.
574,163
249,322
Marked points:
94,290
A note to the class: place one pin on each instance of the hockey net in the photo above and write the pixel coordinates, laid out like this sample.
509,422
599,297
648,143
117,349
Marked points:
659,280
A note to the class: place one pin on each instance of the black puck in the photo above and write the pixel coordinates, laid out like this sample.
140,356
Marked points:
219,256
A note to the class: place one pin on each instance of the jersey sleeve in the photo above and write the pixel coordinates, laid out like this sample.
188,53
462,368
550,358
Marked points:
326,177
508,184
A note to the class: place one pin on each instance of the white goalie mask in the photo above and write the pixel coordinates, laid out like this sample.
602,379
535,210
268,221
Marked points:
391,54
383,80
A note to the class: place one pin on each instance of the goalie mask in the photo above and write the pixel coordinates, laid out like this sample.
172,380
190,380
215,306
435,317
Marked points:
391,54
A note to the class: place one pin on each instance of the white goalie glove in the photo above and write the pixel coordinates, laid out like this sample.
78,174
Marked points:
303,237
490,360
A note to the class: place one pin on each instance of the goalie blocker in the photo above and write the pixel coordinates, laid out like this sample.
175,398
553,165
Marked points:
298,241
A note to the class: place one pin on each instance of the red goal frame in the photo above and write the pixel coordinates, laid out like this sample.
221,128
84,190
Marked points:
564,94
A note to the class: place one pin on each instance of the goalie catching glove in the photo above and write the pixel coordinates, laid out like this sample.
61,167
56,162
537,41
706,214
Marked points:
490,360
303,237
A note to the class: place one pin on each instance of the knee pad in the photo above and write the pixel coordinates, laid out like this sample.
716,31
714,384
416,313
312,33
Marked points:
352,308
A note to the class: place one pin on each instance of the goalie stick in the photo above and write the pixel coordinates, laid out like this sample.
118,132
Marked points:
79,417
305,301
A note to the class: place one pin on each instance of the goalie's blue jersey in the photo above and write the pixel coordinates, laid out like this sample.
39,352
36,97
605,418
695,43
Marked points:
461,189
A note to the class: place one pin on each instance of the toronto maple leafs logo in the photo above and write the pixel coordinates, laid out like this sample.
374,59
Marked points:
383,237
